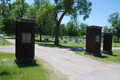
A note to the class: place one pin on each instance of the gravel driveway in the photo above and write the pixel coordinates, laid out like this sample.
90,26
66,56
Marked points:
77,67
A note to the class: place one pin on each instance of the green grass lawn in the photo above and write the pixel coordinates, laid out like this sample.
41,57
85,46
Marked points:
105,57
39,71
7,43
61,43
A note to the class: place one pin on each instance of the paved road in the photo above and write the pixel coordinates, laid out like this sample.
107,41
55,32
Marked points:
75,66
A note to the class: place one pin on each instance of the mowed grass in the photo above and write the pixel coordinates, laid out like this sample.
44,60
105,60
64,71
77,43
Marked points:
7,43
105,57
61,43
11,71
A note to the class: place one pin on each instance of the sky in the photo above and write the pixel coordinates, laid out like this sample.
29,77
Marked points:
101,9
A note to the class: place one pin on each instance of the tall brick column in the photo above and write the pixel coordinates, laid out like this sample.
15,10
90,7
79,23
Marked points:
25,37
107,44
93,40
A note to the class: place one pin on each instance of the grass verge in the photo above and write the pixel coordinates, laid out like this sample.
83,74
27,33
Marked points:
105,57
39,71
7,43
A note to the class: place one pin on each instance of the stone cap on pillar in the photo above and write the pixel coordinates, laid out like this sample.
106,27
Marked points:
108,33
91,27
27,20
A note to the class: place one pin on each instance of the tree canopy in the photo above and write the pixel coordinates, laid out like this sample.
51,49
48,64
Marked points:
72,8
114,19
45,19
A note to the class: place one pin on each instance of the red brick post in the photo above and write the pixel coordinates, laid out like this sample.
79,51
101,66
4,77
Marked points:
107,43
25,37
93,40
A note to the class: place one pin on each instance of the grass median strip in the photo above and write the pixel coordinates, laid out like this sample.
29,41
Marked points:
39,71
105,57
7,43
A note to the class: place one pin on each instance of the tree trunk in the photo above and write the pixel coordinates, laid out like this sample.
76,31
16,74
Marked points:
57,33
57,28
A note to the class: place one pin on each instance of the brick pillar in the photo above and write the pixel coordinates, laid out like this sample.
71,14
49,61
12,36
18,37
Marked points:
25,37
93,40
107,44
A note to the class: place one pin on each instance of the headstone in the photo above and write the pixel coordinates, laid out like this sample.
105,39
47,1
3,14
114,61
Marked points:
61,38
25,38
65,42
93,40
46,39
79,40
107,44
65,37
68,37
76,40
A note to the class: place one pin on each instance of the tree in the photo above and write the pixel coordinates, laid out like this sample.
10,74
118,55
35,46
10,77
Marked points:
20,7
82,29
115,40
7,17
31,12
114,19
70,7
45,18
72,29
105,29
5,8
8,25
63,30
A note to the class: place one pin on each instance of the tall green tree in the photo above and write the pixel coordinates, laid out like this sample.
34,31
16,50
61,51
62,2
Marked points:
7,18
72,8
105,29
114,19
5,8
8,25
31,12
72,29
115,40
20,7
63,30
45,18
82,29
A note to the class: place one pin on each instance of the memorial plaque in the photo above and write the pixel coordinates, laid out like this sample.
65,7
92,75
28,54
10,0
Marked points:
26,37
97,39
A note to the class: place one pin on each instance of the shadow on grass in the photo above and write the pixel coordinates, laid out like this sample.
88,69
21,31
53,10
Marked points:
42,41
102,56
5,73
114,55
27,65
